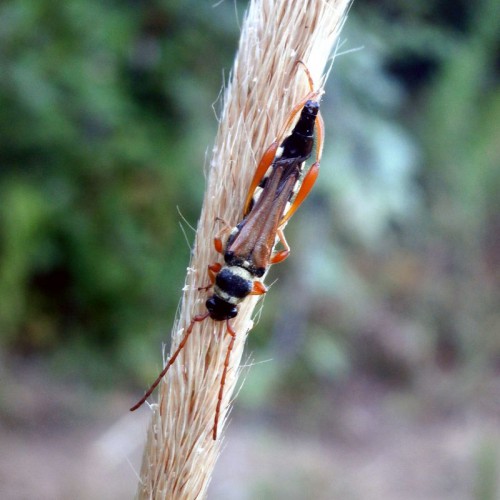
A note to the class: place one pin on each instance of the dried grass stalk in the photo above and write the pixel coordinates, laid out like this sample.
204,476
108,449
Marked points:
180,454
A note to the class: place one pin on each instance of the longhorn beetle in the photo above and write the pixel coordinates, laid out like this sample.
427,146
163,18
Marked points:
278,188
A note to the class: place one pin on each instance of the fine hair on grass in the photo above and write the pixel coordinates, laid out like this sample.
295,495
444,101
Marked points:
264,85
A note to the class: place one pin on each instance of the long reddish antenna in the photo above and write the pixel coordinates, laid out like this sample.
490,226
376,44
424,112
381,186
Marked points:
196,319
223,378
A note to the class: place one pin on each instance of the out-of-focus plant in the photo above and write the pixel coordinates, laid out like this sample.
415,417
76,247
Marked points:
398,257
105,122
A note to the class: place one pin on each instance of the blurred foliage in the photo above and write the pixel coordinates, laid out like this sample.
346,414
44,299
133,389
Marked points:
104,124
105,112
397,249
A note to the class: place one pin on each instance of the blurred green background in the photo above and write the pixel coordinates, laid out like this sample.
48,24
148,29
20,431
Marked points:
388,322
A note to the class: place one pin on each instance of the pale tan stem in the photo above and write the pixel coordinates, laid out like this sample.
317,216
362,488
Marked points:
266,82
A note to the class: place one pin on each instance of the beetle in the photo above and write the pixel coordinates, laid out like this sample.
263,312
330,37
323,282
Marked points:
279,186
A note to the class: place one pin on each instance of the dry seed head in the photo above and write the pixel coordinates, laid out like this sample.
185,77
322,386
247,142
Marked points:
265,83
